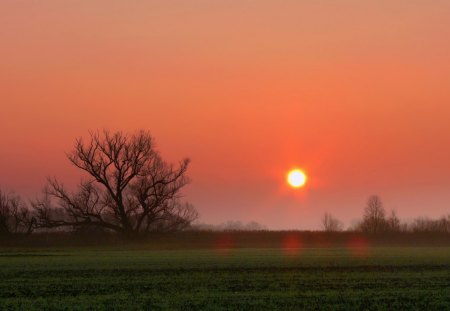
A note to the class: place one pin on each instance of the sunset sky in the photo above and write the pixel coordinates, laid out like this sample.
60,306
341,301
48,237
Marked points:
356,93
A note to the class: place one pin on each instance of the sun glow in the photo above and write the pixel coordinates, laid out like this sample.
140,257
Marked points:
296,178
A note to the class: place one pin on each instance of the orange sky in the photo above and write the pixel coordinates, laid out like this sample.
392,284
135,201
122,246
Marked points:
355,92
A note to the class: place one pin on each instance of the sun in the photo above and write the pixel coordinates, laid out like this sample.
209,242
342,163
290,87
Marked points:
296,178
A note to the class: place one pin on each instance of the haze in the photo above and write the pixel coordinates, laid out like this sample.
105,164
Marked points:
356,93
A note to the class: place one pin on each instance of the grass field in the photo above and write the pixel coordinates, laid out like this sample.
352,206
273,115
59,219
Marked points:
393,278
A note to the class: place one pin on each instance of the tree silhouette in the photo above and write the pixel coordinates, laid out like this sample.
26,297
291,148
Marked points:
330,223
374,216
131,189
15,217
393,222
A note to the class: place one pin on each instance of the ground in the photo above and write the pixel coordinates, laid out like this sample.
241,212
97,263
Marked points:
131,278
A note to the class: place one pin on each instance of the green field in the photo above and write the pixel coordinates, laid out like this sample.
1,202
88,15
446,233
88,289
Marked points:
394,278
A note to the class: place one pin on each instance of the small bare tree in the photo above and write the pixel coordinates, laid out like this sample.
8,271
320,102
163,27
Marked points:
15,217
393,222
331,224
374,216
131,189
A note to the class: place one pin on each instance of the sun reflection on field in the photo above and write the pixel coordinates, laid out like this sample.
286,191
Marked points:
358,246
292,244
224,243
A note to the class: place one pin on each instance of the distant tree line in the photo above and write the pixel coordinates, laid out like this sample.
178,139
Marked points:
231,225
129,189
376,220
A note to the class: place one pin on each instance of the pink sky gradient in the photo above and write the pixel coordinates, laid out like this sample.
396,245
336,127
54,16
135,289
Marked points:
354,92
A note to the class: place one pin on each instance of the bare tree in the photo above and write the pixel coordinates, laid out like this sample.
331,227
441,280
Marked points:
374,216
393,222
425,224
15,217
131,189
331,224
